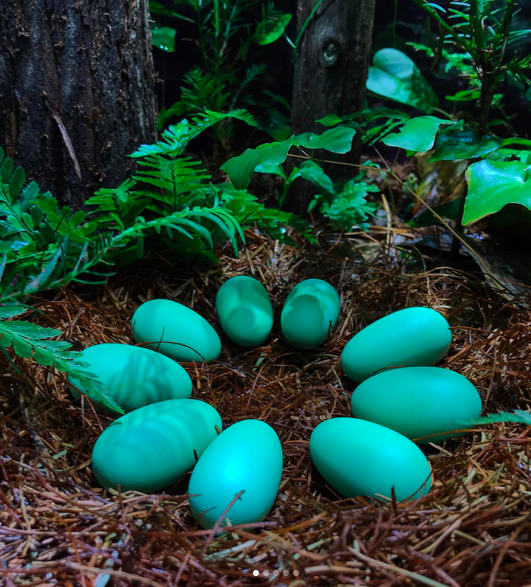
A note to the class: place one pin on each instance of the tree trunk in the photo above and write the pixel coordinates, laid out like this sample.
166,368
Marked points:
76,90
331,66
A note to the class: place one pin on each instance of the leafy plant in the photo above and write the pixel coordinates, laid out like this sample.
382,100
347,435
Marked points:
344,205
30,341
479,31
226,33
44,246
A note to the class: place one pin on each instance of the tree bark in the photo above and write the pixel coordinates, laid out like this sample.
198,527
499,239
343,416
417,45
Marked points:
331,66
76,90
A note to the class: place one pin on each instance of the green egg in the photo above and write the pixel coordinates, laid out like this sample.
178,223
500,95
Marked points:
418,401
362,458
134,376
310,312
151,448
244,311
176,331
246,457
407,338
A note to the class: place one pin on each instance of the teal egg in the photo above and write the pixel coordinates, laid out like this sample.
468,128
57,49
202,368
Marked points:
134,376
417,401
246,457
310,312
176,331
151,448
362,458
407,338
244,311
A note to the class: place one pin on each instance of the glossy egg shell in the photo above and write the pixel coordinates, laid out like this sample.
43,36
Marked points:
407,338
176,331
417,401
362,458
134,376
246,457
151,448
309,313
245,311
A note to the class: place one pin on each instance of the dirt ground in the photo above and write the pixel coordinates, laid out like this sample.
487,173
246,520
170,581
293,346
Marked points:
57,527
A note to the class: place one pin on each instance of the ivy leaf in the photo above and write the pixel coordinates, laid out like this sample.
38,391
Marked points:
163,38
240,169
335,140
417,134
494,184
394,76
464,144
268,31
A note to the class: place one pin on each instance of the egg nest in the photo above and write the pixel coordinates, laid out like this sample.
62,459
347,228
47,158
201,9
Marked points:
57,527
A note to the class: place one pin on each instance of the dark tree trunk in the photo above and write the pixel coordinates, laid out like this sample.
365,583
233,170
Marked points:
331,66
76,90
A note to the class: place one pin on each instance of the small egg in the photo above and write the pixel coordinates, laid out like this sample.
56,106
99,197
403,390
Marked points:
407,338
151,448
310,312
362,458
418,402
244,311
176,331
134,376
247,458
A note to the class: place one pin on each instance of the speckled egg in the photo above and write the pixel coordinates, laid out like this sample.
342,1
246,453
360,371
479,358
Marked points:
246,458
418,402
134,376
362,458
407,338
151,448
176,331
244,311
310,312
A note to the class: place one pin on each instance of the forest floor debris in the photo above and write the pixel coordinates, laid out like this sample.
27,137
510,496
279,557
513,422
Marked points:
474,528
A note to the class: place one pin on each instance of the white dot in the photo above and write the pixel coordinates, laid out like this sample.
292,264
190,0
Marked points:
266,573
276,573
295,573
256,573
285,573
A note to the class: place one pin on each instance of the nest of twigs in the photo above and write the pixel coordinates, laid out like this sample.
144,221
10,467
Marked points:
57,527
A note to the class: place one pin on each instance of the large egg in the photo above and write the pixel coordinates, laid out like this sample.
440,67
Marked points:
310,312
247,457
407,338
153,447
244,311
362,458
418,401
176,331
134,376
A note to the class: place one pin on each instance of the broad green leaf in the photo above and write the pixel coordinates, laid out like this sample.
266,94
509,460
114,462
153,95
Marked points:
494,184
394,76
464,144
464,96
315,173
163,38
335,140
269,31
417,134
520,416
511,155
273,169
240,169
330,120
